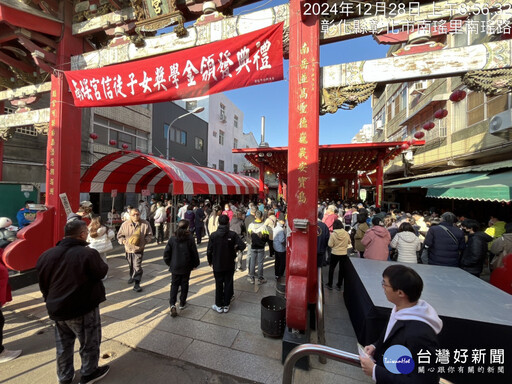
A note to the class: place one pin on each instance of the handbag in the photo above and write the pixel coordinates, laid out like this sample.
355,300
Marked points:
134,239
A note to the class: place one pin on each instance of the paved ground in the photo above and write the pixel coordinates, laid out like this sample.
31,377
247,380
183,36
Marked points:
144,344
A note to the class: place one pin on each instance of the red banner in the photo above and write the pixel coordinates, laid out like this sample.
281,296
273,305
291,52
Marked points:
242,61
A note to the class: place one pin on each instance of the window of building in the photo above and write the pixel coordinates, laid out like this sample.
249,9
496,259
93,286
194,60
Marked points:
235,143
9,110
235,168
183,138
221,165
123,134
191,105
214,166
175,135
28,130
235,122
221,137
481,107
199,144
222,112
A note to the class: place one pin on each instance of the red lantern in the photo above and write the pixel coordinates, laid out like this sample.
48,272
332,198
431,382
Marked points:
93,136
458,95
441,113
419,135
404,146
428,126
125,146
112,142
410,142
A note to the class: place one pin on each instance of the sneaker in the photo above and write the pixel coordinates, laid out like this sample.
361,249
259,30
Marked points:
250,280
226,309
218,309
137,287
130,280
183,306
338,288
261,280
7,355
174,313
99,374
329,287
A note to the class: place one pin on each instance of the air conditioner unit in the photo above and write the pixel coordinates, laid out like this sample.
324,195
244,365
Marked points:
378,125
420,85
501,124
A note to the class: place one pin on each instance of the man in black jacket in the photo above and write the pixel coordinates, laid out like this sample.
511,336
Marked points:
445,242
70,280
413,326
474,254
221,252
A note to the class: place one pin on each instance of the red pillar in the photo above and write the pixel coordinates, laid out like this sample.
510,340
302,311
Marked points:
261,191
63,155
279,187
302,165
380,182
356,187
1,145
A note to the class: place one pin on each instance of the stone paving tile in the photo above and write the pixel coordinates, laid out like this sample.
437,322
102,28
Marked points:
232,320
132,314
198,330
226,360
241,307
194,312
320,376
250,297
258,345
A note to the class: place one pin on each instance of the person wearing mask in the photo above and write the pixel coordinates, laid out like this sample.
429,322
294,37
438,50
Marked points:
406,243
376,241
227,211
475,252
279,235
181,256
134,234
159,218
413,324
339,242
221,253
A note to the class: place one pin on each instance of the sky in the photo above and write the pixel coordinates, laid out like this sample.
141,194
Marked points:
271,100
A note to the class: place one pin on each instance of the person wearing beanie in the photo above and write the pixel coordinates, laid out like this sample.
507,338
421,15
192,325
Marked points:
376,241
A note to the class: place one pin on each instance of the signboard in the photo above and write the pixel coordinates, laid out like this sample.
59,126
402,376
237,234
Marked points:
27,188
113,193
362,194
145,192
250,59
65,203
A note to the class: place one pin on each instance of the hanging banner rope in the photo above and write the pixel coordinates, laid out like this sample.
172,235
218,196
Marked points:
250,59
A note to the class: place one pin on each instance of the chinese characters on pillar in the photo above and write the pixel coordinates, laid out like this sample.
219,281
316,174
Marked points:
249,59
51,144
304,110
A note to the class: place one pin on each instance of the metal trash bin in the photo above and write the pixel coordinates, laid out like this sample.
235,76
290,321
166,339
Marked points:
281,286
273,316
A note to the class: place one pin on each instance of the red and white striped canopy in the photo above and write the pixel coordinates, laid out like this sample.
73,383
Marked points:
127,171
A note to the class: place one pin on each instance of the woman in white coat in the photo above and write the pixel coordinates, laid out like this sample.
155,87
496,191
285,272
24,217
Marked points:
100,237
407,243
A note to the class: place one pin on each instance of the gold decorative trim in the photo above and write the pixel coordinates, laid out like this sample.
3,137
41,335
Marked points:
7,133
332,99
492,82
42,128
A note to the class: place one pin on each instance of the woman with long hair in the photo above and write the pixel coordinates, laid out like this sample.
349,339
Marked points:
100,237
339,242
182,257
407,243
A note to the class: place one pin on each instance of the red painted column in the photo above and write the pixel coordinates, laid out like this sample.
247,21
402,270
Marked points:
379,187
356,187
63,153
1,145
302,165
279,187
261,190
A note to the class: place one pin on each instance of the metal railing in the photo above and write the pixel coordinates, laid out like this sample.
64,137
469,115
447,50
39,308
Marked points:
320,315
315,349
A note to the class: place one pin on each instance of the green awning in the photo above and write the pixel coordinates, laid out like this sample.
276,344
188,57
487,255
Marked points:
440,181
491,187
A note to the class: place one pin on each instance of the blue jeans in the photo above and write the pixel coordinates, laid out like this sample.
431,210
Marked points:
87,329
257,255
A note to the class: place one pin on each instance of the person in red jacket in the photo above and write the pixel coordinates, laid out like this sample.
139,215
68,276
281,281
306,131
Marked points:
376,241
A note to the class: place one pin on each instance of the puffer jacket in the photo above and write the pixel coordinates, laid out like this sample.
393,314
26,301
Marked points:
103,242
473,257
339,242
376,241
407,245
442,249
222,247
181,255
360,231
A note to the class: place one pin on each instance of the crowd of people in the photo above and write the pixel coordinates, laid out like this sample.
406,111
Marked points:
71,273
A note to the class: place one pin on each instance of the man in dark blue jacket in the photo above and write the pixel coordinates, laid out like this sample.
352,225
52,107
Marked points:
70,280
221,252
445,242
